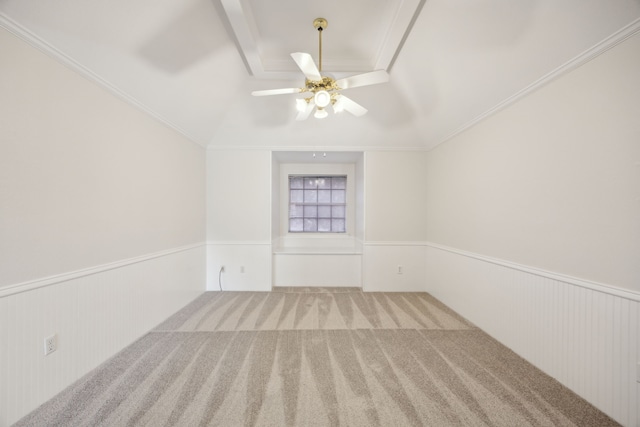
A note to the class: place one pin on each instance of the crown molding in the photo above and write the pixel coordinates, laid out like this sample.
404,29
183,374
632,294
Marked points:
59,56
578,61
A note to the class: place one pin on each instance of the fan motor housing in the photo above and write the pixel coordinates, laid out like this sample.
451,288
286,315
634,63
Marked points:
327,83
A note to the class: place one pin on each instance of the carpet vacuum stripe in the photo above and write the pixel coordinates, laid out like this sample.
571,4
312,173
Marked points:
316,357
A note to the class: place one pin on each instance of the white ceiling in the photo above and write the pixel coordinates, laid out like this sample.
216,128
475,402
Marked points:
365,35
193,63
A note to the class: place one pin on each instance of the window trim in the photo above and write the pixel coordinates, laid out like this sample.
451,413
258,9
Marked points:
327,169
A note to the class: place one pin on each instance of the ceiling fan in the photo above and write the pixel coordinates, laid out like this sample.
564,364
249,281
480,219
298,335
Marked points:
325,90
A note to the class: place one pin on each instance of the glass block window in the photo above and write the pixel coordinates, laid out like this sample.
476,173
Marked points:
317,204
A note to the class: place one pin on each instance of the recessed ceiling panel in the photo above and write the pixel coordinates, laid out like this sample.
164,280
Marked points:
362,35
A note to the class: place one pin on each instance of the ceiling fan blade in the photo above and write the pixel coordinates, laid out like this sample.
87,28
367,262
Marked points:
304,114
307,66
366,79
344,103
275,91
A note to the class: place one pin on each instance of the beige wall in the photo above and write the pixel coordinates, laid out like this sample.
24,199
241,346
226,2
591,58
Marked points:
85,178
239,195
390,216
239,186
101,202
395,196
552,181
395,225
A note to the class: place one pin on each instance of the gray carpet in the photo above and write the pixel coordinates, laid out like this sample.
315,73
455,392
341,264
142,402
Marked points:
316,357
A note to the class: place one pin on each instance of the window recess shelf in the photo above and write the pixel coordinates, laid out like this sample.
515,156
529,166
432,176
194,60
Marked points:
317,251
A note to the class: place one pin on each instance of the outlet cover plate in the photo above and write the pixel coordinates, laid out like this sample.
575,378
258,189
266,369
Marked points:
50,344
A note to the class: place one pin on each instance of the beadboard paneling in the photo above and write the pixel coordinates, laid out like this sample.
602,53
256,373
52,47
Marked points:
3,361
585,337
94,317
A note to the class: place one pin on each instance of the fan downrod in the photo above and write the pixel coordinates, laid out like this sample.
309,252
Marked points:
320,24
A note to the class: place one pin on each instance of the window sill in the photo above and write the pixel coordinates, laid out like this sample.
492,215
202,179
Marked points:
317,251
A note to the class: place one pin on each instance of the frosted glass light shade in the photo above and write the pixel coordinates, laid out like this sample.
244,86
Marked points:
320,113
322,98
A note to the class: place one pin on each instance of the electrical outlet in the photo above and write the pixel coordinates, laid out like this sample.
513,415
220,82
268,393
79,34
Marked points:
50,344
222,269
400,269
242,269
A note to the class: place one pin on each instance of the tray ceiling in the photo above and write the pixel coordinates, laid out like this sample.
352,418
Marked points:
362,35
193,64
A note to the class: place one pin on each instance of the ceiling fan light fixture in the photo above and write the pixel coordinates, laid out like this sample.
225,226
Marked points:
323,89
320,113
322,98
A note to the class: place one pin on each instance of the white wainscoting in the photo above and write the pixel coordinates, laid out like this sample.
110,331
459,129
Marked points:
584,334
317,269
247,266
381,263
317,260
95,313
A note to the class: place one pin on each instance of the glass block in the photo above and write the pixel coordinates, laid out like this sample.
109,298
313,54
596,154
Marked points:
296,196
337,225
295,211
338,196
324,183
324,225
296,225
324,211
310,224
317,204
338,211
339,183
324,196
310,196
296,181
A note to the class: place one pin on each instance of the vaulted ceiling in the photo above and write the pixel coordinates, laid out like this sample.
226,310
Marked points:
194,63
